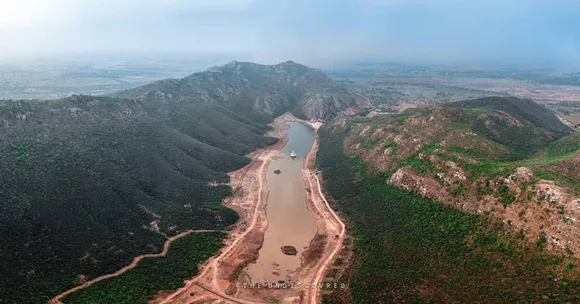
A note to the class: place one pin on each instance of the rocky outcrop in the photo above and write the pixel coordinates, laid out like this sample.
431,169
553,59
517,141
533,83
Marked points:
540,208
289,250
319,105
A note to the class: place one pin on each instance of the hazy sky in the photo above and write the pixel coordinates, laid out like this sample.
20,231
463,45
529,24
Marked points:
308,31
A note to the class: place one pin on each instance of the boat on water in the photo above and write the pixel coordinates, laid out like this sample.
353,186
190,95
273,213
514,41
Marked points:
293,154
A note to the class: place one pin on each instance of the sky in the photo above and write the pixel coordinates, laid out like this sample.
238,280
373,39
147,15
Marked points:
308,31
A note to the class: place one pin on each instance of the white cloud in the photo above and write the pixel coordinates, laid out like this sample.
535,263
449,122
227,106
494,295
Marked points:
394,3
52,26
199,4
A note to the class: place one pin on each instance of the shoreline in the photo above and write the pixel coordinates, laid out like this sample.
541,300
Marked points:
222,275
325,217
219,273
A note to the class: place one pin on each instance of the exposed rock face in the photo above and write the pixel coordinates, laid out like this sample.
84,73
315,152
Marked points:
321,105
539,208
261,90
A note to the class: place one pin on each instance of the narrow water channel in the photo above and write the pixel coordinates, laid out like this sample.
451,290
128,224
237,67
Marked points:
289,221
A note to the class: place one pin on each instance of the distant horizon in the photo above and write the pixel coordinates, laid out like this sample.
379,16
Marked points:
210,60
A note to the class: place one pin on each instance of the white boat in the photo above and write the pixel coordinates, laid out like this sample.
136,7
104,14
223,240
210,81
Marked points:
293,154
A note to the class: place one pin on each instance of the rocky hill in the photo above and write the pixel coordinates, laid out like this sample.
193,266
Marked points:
483,156
510,166
87,183
261,91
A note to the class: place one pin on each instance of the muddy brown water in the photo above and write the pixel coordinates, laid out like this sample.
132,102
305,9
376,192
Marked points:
289,221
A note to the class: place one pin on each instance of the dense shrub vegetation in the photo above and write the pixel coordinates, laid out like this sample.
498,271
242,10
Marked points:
140,284
83,178
523,109
413,250
535,127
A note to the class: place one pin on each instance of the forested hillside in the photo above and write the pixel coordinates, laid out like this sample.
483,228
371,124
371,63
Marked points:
410,248
87,183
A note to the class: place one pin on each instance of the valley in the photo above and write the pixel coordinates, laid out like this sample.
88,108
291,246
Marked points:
250,183
53,78
289,152
118,177
289,221
394,87
227,277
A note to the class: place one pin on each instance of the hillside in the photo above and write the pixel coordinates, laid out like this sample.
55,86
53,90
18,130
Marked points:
534,125
259,91
489,184
88,183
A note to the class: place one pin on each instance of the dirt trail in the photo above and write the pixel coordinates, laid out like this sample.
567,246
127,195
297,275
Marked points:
263,168
332,222
222,274
313,294
213,265
58,298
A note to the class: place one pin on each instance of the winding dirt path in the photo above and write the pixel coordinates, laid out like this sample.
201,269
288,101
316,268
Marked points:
332,223
313,295
263,168
58,298
265,157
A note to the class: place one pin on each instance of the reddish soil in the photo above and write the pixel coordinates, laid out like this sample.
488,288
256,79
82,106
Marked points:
334,227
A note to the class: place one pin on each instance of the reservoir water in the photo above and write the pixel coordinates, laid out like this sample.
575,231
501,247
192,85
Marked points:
289,221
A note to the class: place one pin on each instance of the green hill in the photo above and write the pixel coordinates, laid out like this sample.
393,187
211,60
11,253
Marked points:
82,177
520,124
536,114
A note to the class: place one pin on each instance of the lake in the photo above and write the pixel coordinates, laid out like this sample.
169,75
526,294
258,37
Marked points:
289,221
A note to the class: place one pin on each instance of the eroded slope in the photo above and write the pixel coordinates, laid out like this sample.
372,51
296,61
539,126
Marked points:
484,161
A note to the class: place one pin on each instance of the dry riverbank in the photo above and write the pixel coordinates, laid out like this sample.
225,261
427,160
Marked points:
222,278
